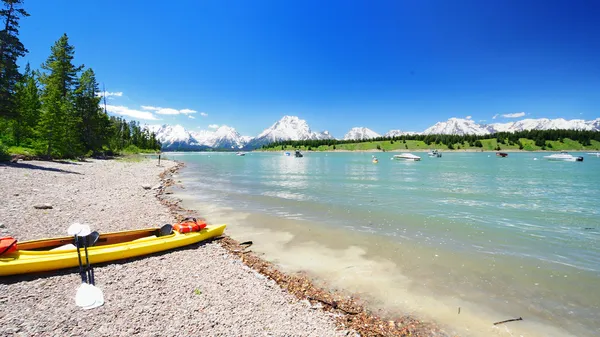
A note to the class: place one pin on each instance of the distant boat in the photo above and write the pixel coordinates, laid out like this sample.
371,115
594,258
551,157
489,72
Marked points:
298,154
501,154
596,154
240,154
563,156
287,154
435,153
406,156
375,160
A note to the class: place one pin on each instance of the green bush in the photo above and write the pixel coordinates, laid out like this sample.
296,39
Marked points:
4,155
25,151
131,149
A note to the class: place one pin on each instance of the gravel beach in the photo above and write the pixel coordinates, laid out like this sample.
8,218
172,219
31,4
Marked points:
196,290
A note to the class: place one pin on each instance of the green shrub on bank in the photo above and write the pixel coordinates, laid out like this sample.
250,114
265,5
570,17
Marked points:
4,155
131,149
25,151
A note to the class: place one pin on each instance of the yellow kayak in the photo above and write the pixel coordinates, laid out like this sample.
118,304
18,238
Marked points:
59,253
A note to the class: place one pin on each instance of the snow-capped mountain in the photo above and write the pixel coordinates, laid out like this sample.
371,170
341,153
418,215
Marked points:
224,137
398,133
178,138
174,137
545,124
359,133
457,126
287,128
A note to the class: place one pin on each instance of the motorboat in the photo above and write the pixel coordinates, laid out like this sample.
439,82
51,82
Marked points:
298,154
240,154
406,156
435,154
375,160
595,154
287,154
501,154
563,156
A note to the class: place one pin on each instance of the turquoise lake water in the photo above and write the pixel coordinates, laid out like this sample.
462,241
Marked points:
498,237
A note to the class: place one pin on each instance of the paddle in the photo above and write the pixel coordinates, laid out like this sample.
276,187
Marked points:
88,296
89,241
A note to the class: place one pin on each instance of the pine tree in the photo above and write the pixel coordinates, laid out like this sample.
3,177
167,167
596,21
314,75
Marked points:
60,125
27,108
94,121
11,49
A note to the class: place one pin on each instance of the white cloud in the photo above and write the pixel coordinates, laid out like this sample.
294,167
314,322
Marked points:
514,115
469,117
109,94
495,116
214,126
192,117
168,111
482,120
125,111
203,114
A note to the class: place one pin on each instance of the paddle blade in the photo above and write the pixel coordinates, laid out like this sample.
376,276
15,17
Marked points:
79,229
92,238
89,296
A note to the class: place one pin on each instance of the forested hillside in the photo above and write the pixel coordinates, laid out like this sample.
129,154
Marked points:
55,111
524,140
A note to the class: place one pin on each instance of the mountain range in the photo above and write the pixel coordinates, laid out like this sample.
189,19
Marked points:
176,137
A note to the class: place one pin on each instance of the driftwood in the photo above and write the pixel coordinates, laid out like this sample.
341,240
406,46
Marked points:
509,320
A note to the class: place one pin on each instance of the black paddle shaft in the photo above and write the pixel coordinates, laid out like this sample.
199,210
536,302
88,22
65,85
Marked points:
83,276
89,271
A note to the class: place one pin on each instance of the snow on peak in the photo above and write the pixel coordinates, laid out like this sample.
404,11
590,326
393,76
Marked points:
360,133
545,124
457,126
287,128
398,133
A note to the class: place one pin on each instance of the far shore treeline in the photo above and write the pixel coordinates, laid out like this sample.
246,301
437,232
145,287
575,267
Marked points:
54,111
529,140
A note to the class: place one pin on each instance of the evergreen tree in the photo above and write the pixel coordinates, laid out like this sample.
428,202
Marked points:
94,122
27,109
11,49
59,125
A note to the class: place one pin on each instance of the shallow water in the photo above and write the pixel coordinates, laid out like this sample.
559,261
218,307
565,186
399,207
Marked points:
498,237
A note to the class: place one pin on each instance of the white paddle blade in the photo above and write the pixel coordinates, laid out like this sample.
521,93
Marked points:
79,229
89,296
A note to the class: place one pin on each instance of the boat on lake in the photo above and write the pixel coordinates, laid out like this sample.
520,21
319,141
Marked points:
406,156
563,156
298,154
595,154
434,153
501,154
240,154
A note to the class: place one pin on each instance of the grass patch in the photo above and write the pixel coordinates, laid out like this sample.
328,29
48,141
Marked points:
131,158
25,151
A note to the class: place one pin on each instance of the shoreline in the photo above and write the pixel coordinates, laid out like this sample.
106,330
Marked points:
194,290
352,312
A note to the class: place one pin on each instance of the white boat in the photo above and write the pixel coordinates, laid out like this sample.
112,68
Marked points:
597,154
563,156
406,156
240,154
435,154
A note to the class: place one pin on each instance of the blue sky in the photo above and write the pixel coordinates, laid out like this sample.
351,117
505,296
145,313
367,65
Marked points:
338,64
